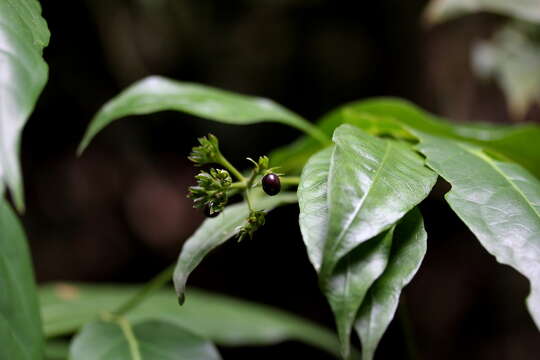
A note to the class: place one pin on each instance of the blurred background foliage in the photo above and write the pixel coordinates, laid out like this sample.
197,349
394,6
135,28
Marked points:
120,212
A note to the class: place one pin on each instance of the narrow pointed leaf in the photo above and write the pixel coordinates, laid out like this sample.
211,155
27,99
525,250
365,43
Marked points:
23,35
215,231
356,272
380,304
351,280
20,325
152,340
224,320
372,184
498,201
312,200
156,93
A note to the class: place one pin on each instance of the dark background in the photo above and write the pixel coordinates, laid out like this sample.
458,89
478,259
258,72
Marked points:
119,213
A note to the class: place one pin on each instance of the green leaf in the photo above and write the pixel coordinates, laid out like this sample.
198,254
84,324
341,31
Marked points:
158,94
152,340
380,304
20,324
351,280
23,35
403,181
400,118
312,200
515,143
215,231
222,319
56,350
358,270
498,201
444,10
514,61
372,184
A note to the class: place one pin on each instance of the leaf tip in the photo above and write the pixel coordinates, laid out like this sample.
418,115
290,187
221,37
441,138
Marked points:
181,299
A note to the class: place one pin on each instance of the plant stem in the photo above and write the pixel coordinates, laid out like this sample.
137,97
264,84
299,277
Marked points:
248,200
156,283
406,327
237,174
291,180
316,133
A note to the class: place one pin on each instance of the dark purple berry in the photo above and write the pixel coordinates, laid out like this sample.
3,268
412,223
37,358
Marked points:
208,213
271,184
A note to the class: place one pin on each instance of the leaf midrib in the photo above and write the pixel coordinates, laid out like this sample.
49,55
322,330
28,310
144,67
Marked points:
361,204
492,163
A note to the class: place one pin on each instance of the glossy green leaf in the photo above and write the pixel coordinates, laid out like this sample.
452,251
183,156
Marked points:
443,10
23,35
381,302
498,201
357,271
352,278
312,200
222,319
150,340
20,324
215,231
156,93
400,118
514,61
515,143
372,184
359,157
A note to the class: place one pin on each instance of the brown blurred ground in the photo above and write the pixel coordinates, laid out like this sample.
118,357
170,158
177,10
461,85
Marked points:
119,213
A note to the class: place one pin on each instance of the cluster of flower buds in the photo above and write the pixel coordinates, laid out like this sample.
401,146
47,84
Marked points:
207,152
211,190
254,221
213,186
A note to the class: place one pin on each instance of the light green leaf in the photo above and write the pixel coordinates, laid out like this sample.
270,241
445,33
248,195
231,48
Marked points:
403,171
515,143
222,319
372,184
23,35
380,304
498,201
514,61
215,231
400,118
152,340
351,279
312,199
156,93
20,325
444,10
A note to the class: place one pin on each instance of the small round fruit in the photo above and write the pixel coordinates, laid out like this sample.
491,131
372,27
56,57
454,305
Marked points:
271,184
209,214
